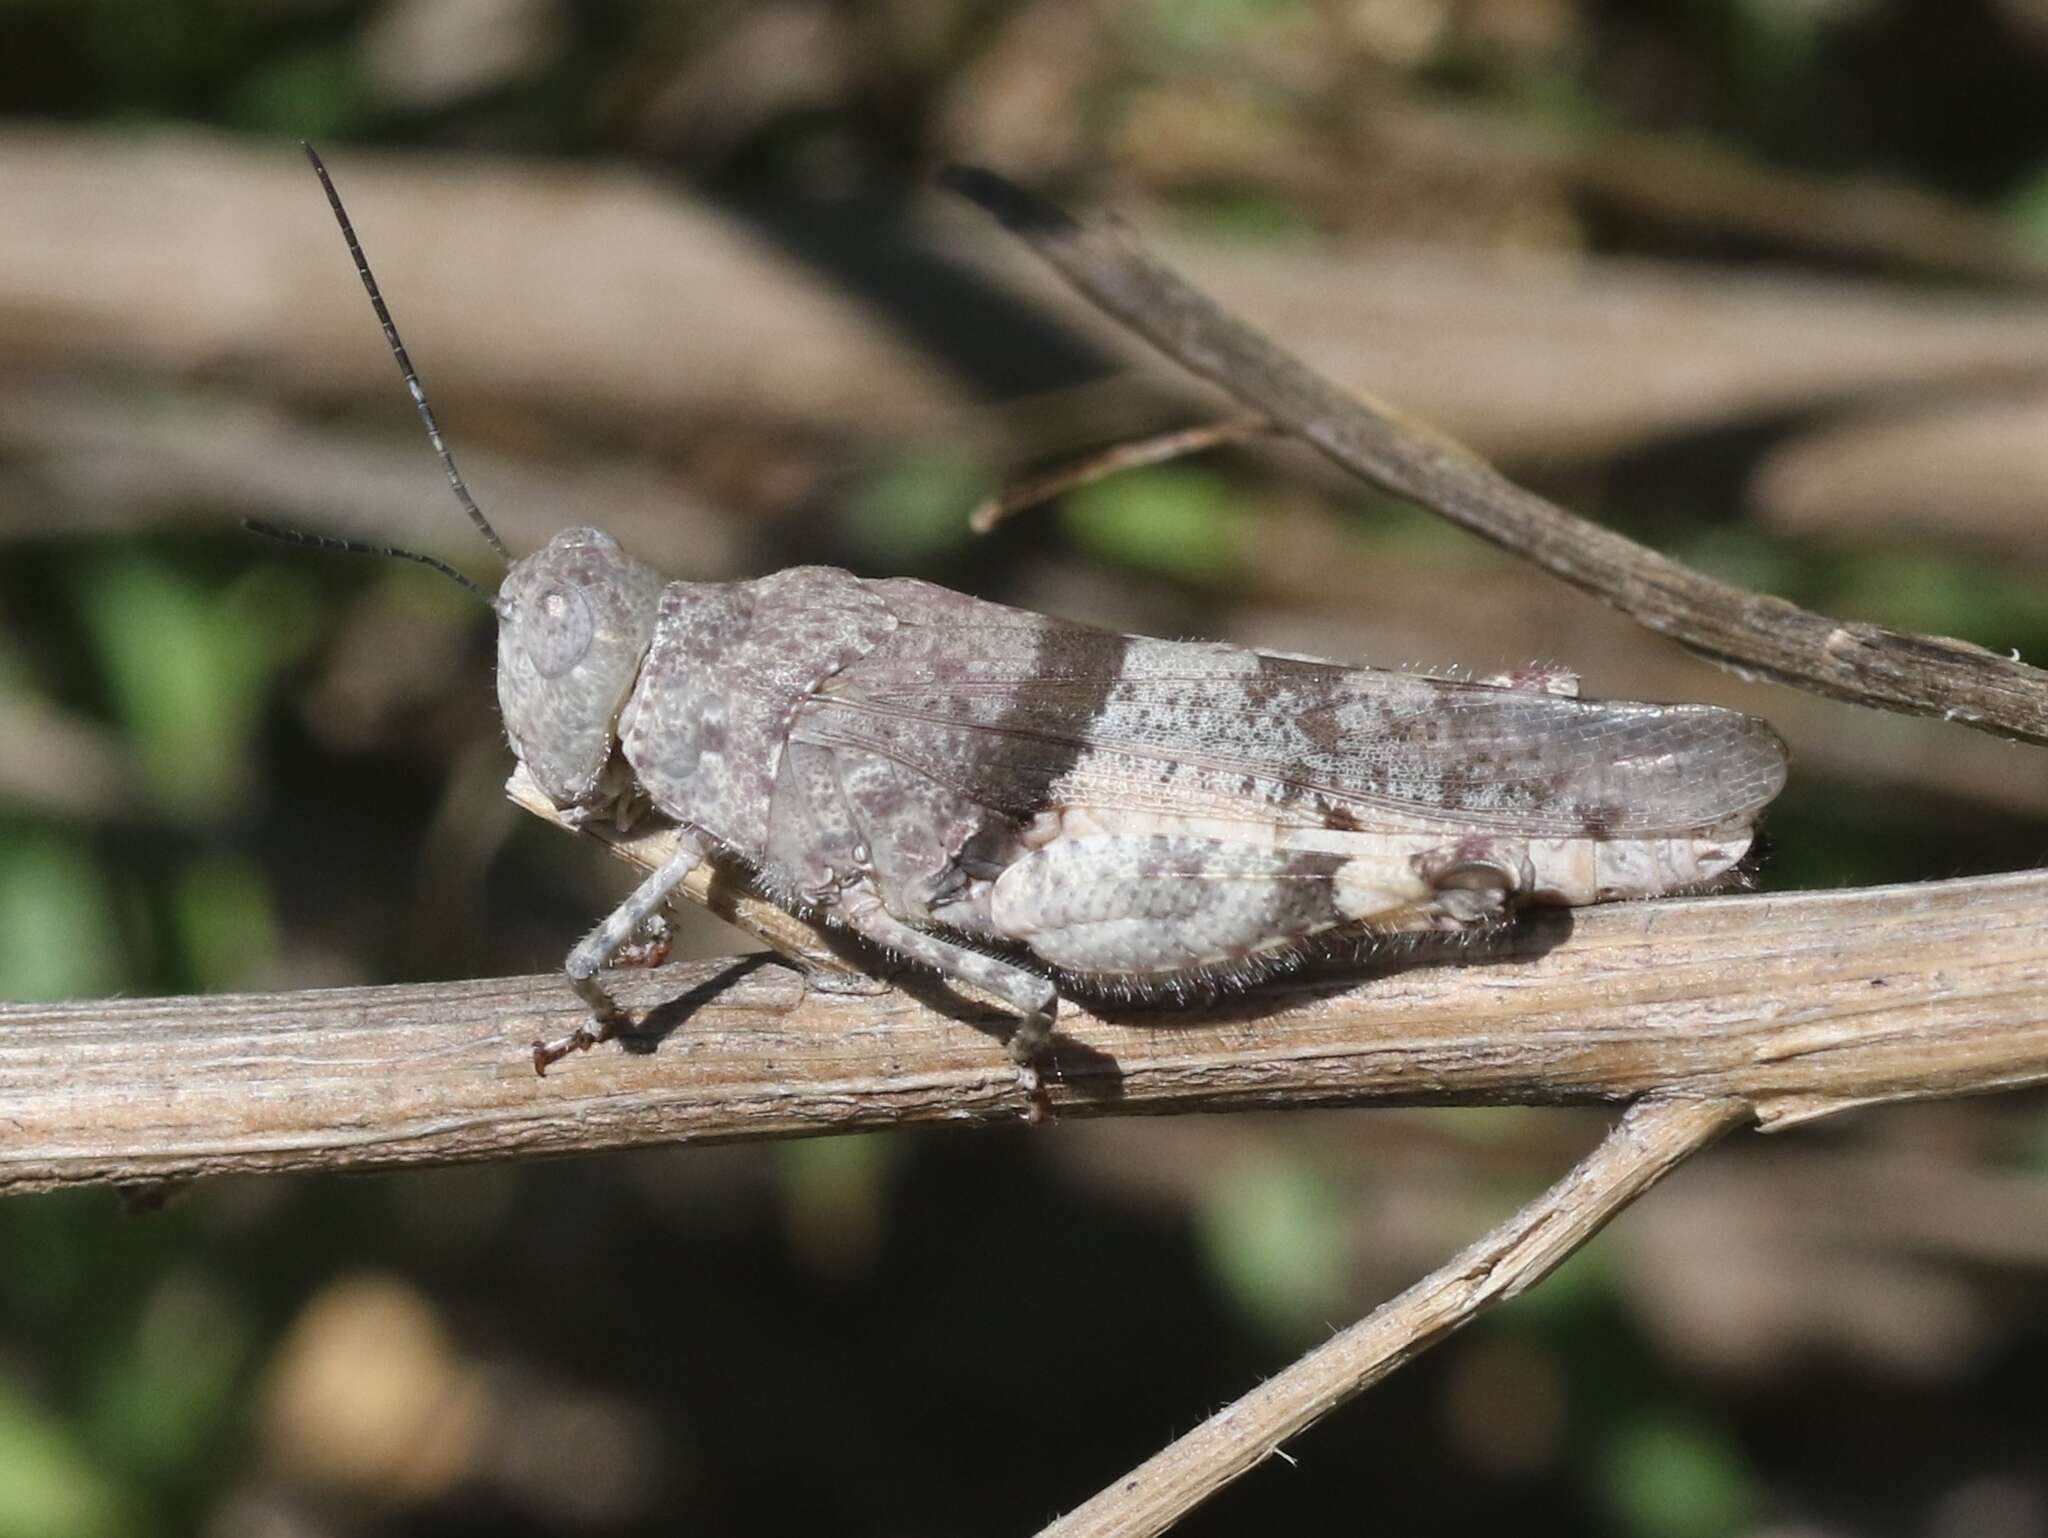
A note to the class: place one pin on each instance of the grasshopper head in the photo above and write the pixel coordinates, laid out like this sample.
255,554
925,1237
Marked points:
574,623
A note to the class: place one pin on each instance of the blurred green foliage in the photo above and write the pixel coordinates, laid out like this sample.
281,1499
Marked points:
59,933
1174,521
1676,1479
142,1359
188,664
52,1486
910,512
1277,1231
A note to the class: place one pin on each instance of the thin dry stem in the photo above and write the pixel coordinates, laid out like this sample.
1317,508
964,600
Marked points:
1793,1005
1133,454
1757,633
1652,1138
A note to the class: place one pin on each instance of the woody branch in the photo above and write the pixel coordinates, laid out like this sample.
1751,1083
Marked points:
1652,1138
1848,660
1790,1006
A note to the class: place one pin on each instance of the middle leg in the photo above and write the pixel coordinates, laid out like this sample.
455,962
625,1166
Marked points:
1032,996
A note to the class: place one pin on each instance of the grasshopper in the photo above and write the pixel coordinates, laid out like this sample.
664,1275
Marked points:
1021,803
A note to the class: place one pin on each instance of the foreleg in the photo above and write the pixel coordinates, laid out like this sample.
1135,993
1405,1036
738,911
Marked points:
598,949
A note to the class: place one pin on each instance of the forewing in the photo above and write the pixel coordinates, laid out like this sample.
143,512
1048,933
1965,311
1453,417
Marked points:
1022,713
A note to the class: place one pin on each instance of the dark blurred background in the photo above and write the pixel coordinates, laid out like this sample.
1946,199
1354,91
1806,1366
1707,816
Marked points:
1763,282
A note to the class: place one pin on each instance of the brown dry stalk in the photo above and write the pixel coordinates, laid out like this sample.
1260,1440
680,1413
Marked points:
1791,1005
1753,632
1133,454
1652,1138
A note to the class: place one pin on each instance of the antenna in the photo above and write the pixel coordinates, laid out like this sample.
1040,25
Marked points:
412,383
355,547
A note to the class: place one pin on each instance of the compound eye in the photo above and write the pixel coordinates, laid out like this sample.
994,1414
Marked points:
559,631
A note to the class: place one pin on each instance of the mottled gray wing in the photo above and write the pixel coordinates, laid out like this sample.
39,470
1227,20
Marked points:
1022,713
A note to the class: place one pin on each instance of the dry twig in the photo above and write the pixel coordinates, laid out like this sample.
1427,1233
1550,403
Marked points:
1133,454
1792,1005
1652,1138
1864,663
